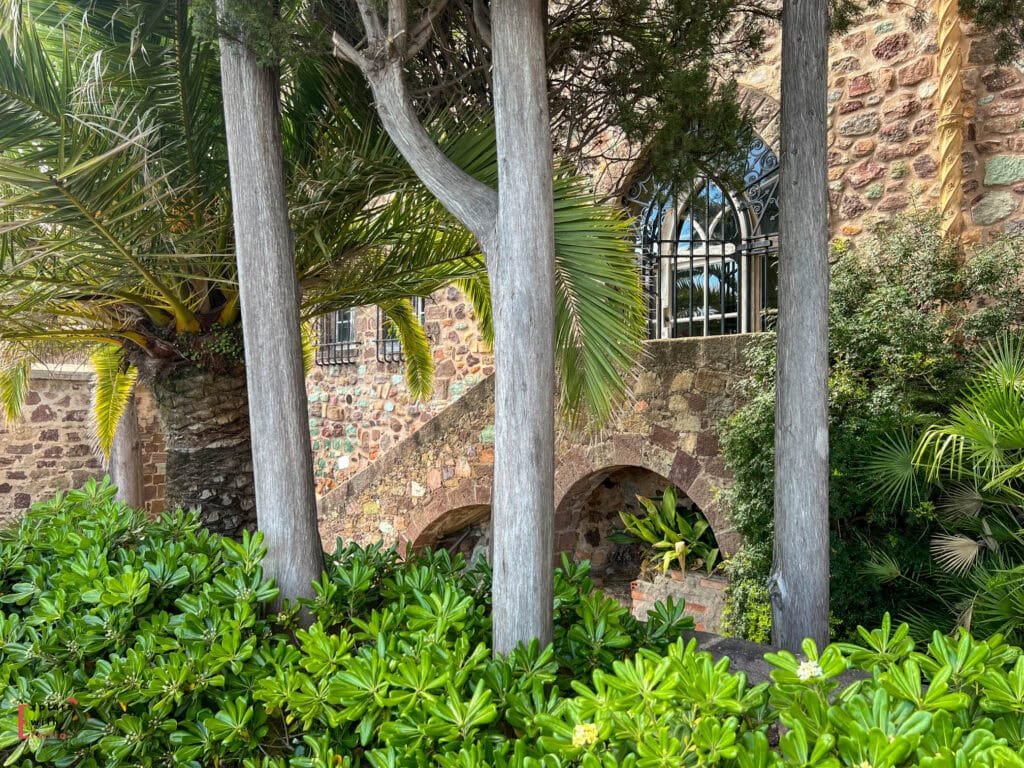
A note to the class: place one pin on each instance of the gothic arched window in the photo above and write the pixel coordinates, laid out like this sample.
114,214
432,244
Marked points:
708,254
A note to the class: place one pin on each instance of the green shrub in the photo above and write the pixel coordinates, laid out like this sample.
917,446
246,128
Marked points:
904,313
671,534
135,643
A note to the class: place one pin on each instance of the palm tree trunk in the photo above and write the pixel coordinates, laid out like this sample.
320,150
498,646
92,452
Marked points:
205,418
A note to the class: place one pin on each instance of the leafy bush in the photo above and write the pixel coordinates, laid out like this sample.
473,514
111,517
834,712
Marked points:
671,533
971,466
135,643
905,310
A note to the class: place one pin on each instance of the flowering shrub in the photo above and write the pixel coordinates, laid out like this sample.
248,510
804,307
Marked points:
125,642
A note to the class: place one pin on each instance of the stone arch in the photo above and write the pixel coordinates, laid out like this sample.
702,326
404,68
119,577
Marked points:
580,471
446,507
451,521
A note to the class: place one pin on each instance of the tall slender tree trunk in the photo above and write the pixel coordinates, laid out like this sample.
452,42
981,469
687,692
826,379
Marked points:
800,575
205,420
522,285
126,457
278,409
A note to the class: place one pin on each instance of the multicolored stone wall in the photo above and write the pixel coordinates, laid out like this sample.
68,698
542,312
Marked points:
440,479
359,411
883,122
51,448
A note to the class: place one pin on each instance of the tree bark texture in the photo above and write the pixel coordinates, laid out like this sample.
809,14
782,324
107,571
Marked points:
205,419
522,289
800,574
126,457
278,408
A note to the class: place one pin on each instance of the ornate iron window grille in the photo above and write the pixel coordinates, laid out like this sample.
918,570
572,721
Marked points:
336,338
389,348
708,256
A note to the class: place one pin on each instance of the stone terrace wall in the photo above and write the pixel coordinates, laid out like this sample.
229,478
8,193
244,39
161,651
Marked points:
439,479
51,448
360,411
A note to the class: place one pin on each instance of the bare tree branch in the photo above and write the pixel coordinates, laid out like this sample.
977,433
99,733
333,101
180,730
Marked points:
482,19
347,52
424,29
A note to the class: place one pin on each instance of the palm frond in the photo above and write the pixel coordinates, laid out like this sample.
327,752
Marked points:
115,382
955,553
882,567
14,386
419,361
890,470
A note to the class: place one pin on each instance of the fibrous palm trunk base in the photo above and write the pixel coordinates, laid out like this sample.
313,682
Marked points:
205,418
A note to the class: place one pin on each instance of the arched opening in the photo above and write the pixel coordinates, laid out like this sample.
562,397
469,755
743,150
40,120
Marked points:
589,524
708,252
465,531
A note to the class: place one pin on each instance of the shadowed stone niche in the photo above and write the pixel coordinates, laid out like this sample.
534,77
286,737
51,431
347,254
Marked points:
589,516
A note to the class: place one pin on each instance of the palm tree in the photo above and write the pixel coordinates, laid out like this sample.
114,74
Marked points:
972,464
116,235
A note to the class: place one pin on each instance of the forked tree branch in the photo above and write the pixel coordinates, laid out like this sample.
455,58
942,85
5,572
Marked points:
382,62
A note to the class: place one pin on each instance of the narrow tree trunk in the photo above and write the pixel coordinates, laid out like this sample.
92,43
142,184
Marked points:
126,457
800,576
205,419
522,285
281,452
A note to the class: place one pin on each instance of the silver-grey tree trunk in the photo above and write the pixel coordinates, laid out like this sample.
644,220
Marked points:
800,574
126,457
523,296
278,415
515,230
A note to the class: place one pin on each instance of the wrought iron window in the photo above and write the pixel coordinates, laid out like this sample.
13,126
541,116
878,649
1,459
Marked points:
336,338
709,255
389,347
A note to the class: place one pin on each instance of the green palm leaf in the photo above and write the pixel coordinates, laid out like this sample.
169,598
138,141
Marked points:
115,383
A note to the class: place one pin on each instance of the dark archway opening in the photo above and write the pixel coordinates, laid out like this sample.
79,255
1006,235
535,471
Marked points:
588,517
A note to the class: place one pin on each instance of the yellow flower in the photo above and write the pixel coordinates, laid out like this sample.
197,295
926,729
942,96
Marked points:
863,764
584,734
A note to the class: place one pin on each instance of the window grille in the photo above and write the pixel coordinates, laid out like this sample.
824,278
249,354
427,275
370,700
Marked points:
336,338
389,348
708,256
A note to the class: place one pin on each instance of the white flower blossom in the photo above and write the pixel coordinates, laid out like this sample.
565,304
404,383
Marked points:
808,670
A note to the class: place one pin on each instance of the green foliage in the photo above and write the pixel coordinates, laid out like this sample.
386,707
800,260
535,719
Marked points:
128,642
115,383
673,534
971,465
903,316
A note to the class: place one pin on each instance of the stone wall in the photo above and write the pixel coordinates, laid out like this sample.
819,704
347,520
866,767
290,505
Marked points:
439,480
883,114
362,410
704,596
51,448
